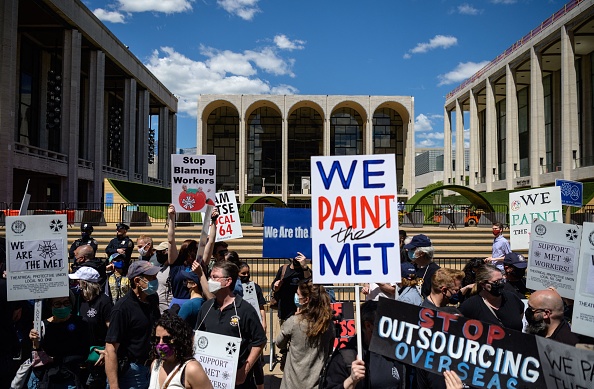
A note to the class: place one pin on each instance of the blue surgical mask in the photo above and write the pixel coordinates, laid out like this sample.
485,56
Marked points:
151,287
118,264
454,298
297,303
411,255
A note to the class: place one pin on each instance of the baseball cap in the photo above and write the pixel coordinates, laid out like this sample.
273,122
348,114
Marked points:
141,267
116,256
190,275
406,269
515,260
85,273
162,246
418,241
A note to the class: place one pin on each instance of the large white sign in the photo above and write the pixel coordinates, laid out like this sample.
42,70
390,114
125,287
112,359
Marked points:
37,257
193,182
554,253
228,223
354,219
528,206
582,321
218,355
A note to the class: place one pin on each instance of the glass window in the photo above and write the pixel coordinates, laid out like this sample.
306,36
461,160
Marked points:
388,137
222,133
524,131
501,135
306,134
264,168
346,132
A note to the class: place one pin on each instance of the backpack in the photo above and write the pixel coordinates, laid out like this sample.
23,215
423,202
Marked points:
348,355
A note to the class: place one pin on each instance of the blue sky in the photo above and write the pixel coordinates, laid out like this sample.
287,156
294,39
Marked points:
421,48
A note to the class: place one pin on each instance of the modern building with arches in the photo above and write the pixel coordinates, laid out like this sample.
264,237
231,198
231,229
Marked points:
530,110
264,143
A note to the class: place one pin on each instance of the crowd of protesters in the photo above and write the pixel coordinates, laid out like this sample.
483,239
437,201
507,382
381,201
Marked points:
129,323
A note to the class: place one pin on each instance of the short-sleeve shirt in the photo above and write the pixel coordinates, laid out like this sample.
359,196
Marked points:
212,319
189,310
66,339
96,313
131,324
509,313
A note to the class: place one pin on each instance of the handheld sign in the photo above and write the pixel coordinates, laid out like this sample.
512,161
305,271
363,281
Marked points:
193,182
554,253
354,219
582,321
218,355
286,232
228,223
37,257
527,206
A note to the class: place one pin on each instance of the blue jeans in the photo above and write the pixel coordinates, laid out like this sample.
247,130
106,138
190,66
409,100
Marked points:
35,381
136,377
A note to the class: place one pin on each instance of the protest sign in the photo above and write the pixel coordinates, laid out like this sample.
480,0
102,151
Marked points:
565,366
228,223
554,253
527,206
193,182
286,232
583,307
354,219
483,355
218,355
37,257
344,315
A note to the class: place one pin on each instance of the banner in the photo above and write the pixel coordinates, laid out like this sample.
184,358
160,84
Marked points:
527,206
582,321
554,253
286,232
354,219
193,182
483,355
228,223
218,355
37,257
344,316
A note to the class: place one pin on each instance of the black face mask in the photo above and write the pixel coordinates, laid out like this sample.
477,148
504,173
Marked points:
496,289
162,258
244,279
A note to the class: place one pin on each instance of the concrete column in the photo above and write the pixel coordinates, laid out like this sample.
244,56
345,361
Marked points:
129,130
569,118
327,114
491,135
537,122
242,153
409,157
97,120
8,79
447,147
460,162
512,137
474,153
141,146
71,108
164,159
285,158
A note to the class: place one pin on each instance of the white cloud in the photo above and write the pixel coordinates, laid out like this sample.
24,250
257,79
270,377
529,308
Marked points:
503,1
109,16
438,41
284,43
224,72
467,9
165,6
461,72
424,123
245,9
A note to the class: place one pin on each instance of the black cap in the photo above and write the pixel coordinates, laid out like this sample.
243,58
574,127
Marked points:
124,226
515,260
418,241
86,227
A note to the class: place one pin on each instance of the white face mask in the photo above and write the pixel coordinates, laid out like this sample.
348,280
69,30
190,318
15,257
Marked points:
143,251
214,286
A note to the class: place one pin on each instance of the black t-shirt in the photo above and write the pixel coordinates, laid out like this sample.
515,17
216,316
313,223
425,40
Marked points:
130,325
286,293
509,313
212,319
517,287
66,340
96,313
426,273
563,334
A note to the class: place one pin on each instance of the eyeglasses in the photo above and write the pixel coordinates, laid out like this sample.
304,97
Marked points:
163,339
218,278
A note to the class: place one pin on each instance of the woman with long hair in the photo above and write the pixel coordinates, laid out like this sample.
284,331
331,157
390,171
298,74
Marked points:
182,260
310,333
172,353
491,303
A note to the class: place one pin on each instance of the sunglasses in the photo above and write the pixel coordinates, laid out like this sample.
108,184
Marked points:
166,339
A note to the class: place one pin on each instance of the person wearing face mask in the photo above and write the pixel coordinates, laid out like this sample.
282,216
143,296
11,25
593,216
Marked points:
421,252
545,317
146,250
86,230
229,314
117,281
64,337
492,303
500,246
172,353
189,309
128,337
515,270
445,289
121,244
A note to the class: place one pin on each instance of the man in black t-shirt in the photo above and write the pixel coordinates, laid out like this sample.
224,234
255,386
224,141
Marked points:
228,314
284,286
128,337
